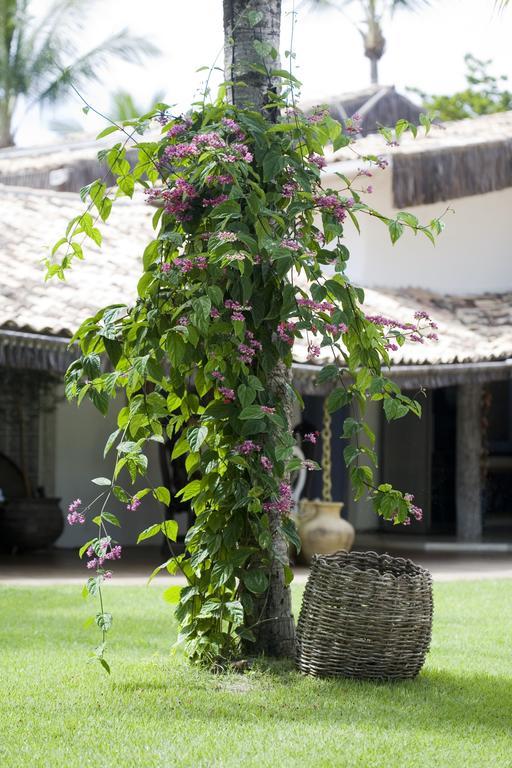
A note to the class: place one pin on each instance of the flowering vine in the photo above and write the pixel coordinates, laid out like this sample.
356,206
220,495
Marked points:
236,272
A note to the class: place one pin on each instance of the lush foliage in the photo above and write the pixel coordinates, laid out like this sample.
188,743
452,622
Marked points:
246,259
156,710
40,56
484,94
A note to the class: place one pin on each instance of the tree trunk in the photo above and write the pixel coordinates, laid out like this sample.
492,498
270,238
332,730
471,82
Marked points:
240,33
247,21
6,138
374,71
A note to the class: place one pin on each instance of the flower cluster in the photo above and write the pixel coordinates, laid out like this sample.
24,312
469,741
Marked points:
186,265
334,205
283,504
336,329
134,504
285,332
266,464
102,551
316,306
227,394
74,515
246,352
414,510
248,447
317,160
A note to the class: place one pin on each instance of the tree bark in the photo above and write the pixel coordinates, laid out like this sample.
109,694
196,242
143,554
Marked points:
249,88
275,628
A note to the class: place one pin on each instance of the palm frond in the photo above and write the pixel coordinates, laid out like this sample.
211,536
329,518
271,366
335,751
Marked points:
87,67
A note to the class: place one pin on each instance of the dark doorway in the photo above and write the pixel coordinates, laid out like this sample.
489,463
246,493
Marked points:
443,517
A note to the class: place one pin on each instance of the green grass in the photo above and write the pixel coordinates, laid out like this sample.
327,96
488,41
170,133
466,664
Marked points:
154,711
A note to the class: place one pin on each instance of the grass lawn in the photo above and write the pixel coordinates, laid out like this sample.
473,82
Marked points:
154,711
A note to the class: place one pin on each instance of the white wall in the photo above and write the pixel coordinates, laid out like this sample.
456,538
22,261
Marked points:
472,255
80,438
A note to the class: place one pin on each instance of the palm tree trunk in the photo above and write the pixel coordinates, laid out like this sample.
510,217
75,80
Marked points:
246,21
6,138
374,71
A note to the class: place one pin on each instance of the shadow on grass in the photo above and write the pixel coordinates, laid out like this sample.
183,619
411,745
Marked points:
437,700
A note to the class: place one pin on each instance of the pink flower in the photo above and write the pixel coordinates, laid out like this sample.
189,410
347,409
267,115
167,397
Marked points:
266,464
293,245
248,447
285,332
317,160
284,503
227,394
213,201
217,375
214,313
75,517
313,350
311,437
268,409
133,505
246,354
227,237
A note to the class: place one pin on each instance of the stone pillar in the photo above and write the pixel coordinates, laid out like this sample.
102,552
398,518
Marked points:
468,471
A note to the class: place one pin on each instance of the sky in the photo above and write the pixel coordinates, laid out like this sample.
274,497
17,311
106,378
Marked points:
425,49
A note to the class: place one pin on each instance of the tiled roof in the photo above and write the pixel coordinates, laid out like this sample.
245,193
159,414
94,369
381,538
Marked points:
31,221
471,328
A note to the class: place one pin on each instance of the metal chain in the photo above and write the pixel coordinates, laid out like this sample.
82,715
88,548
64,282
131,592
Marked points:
326,454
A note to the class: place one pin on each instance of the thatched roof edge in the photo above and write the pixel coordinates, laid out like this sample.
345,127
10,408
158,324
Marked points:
448,173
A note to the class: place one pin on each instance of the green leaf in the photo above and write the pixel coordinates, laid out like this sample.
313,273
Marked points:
162,494
256,581
111,518
170,529
254,17
290,532
246,395
148,533
104,621
196,437
104,663
338,399
190,490
395,230
106,131
101,481
85,547
172,594
328,373
251,412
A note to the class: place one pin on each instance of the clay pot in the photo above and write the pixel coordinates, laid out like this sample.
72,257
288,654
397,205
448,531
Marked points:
27,523
322,529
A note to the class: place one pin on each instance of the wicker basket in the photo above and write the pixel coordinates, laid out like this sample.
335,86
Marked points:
364,615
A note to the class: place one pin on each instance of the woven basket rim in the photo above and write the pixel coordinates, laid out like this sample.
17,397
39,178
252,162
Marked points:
418,570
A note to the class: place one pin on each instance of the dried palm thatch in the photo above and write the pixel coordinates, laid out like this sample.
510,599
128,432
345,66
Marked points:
455,159
364,616
451,172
